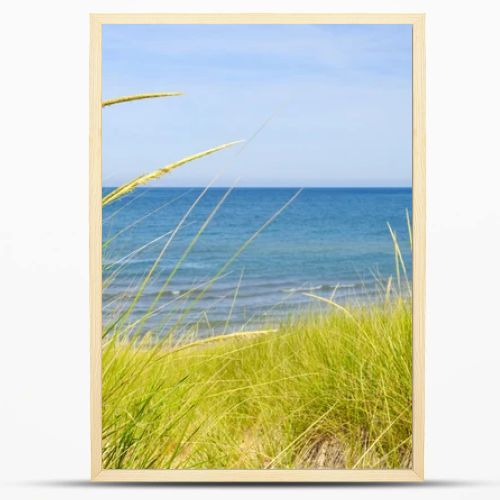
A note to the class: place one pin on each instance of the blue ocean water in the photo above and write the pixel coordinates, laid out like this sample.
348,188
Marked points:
327,239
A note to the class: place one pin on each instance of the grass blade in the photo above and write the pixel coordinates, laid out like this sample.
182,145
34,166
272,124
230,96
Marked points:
410,232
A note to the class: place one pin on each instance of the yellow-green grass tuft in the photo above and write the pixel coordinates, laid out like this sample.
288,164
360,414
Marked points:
326,390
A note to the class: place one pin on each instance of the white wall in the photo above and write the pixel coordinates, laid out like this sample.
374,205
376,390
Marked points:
44,422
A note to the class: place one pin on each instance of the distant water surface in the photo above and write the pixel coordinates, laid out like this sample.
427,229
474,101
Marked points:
327,239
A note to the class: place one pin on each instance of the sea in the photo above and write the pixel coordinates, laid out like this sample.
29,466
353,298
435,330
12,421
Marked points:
222,260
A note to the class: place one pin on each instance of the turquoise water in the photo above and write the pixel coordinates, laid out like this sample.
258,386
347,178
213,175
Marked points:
326,239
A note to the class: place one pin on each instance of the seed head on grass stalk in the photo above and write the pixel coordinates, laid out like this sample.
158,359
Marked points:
137,97
144,179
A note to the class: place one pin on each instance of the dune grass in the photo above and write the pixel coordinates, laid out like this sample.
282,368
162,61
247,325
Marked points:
331,388
327,390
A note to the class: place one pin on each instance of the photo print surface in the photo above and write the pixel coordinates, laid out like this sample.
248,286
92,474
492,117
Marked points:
257,265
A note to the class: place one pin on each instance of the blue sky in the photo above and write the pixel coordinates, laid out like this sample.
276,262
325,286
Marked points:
335,102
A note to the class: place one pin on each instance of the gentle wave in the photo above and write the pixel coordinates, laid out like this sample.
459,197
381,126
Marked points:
220,292
325,288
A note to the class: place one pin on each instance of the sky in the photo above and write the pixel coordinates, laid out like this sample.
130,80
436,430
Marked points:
317,105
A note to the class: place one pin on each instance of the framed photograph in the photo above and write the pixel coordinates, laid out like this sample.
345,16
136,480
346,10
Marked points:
257,247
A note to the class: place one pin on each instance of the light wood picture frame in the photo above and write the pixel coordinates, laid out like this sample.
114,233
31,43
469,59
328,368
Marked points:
416,473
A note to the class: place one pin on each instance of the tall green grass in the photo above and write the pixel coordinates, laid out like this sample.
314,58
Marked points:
325,390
